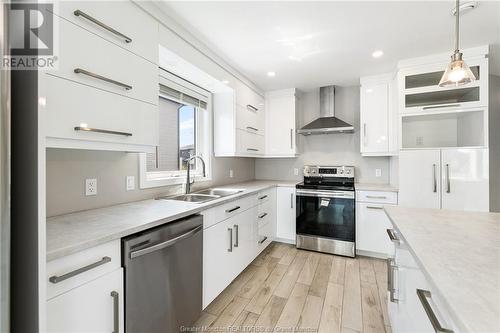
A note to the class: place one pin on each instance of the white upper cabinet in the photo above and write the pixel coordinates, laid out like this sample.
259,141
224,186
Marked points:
419,78
103,95
378,116
120,22
239,122
281,108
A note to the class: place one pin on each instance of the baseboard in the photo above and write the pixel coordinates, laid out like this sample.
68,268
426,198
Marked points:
371,254
284,240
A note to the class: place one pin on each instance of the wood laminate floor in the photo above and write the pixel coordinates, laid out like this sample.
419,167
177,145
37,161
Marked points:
290,290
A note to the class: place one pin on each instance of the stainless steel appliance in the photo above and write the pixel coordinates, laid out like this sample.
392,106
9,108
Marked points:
326,210
163,276
327,122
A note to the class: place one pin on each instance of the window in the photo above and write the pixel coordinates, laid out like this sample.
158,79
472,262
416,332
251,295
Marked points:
184,131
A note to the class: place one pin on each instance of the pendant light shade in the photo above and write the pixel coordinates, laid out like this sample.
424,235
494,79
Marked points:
457,73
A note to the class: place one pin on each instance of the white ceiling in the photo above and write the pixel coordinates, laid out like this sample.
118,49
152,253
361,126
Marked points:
310,44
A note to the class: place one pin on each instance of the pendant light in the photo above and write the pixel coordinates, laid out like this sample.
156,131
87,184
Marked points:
457,73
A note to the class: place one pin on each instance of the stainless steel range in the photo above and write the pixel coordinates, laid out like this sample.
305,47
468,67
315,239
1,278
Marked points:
325,210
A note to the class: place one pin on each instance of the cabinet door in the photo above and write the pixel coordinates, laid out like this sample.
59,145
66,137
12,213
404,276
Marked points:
371,226
280,132
219,266
465,179
90,307
285,213
245,240
419,174
374,118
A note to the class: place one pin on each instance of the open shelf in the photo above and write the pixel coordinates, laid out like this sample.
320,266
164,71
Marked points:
452,129
431,79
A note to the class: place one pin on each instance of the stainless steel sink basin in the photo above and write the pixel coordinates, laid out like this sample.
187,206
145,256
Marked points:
203,195
221,192
192,197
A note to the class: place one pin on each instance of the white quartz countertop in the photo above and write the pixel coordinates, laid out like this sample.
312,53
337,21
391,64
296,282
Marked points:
375,187
70,233
459,252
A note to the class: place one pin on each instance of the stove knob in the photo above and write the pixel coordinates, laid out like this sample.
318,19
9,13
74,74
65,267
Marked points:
348,171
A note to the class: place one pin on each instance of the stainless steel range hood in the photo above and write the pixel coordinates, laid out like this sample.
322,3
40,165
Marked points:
327,123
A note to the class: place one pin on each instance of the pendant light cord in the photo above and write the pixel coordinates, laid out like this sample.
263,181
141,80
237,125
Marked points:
457,24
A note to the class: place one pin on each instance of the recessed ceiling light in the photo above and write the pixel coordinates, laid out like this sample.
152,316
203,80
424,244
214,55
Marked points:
271,74
225,81
378,54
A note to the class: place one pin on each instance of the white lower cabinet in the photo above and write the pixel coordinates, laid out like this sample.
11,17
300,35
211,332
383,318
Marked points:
219,261
372,223
230,244
455,178
285,214
412,301
96,306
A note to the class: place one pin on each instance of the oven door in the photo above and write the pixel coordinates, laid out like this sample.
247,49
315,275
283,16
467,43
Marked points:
327,214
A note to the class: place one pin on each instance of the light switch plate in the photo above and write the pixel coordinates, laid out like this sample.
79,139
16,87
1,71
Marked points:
231,173
91,186
130,183
378,172
296,171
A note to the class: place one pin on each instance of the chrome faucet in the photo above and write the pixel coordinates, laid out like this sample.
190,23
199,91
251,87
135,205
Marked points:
188,178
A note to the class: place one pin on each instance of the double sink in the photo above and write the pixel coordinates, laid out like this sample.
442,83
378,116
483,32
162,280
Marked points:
203,195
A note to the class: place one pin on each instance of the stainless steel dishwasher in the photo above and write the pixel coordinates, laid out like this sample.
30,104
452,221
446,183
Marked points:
163,277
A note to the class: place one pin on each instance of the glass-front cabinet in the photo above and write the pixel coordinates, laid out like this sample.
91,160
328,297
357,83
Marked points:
419,90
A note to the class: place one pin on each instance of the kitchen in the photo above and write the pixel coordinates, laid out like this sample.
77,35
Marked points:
327,172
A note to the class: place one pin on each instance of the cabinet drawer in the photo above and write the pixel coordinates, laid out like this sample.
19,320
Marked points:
96,306
264,196
76,269
371,230
390,198
224,211
264,236
69,104
122,16
265,207
249,143
250,120
82,55
263,218
246,97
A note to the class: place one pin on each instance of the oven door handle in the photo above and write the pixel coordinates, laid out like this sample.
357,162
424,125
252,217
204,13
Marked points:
324,194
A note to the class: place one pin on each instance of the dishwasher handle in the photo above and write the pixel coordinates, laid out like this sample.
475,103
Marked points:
165,244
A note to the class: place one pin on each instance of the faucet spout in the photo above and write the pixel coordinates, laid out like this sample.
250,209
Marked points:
188,177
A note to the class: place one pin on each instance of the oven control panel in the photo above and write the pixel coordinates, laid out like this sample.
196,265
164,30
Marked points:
329,171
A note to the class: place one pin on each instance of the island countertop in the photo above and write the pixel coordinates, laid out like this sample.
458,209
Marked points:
459,252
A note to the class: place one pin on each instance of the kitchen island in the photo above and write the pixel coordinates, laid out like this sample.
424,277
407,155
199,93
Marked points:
458,253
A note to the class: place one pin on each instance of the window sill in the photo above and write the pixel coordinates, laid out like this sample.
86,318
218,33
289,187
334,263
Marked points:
170,181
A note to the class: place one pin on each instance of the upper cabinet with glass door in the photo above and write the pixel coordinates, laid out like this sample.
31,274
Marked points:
419,78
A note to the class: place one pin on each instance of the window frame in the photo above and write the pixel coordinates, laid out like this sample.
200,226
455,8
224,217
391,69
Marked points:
203,137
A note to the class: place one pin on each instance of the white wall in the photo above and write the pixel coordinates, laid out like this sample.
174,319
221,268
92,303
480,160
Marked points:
67,170
329,149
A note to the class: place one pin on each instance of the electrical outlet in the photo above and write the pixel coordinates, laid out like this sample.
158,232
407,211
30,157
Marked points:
420,141
378,172
90,186
296,171
130,183
231,173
